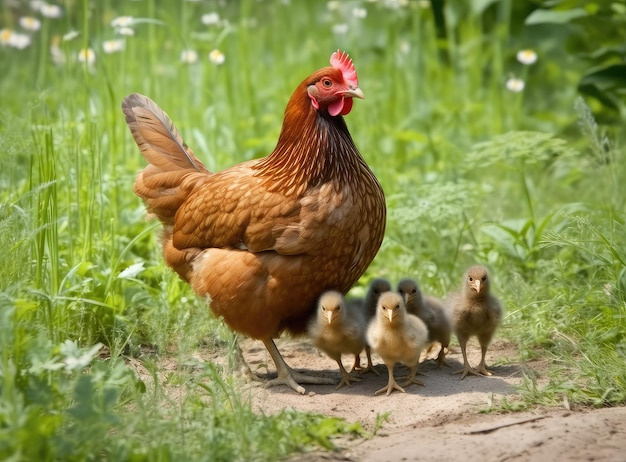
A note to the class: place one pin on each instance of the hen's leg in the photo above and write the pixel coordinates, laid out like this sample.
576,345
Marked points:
286,375
240,367
466,367
391,384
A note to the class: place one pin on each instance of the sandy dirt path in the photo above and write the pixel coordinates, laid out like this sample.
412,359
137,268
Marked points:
445,418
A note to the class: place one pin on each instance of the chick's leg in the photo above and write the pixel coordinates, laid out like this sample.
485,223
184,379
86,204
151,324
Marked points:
286,375
484,343
411,377
345,376
370,365
467,369
391,384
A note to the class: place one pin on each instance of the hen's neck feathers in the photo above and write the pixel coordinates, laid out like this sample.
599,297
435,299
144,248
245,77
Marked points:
313,148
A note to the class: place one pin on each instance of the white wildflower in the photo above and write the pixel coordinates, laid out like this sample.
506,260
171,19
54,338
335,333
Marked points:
50,11
527,57
210,19
515,85
19,41
36,5
333,6
126,31
112,46
189,56
30,23
217,57
71,35
122,21
359,13
87,55
5,36
340,29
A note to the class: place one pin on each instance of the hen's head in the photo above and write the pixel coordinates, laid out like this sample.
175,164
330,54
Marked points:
332,88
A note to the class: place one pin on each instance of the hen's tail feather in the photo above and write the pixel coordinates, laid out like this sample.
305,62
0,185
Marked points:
174,169
157,137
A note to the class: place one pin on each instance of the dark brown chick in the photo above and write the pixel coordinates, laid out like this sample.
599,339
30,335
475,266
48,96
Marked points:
337,328
474,311
368,307
397,337
430,310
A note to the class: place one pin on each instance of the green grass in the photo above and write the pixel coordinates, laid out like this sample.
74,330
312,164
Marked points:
527,183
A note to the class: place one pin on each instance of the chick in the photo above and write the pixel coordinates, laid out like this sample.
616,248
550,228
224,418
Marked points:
430,310
397,337
337,329
368,307
474,311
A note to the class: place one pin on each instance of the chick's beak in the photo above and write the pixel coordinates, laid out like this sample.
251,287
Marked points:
329,316
390,315
476,286
355,92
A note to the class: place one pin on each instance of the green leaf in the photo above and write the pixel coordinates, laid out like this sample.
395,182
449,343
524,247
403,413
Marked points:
541,16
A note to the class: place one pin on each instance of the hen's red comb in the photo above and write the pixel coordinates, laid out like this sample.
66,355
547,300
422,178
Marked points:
341,60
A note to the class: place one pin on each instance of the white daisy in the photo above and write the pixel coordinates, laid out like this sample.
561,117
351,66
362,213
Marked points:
527,57
210,19
189,56
515,85
112,46
87,55
30,23
217,57
50,11
122,21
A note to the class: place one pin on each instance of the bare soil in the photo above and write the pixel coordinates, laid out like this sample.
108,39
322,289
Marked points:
445,418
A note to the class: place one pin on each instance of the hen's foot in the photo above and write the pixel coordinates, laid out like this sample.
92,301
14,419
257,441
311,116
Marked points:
293,378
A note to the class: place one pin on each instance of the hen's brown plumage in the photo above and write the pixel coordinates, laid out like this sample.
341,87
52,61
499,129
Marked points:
266,237
338,328
474,311
430,310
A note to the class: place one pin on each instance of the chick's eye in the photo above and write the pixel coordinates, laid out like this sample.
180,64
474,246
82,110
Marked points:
327,83
414,291
470,278
484,278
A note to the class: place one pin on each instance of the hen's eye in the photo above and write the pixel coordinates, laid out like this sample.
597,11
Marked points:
327,83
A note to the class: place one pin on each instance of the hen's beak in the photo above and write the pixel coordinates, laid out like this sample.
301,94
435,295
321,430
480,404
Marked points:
354,93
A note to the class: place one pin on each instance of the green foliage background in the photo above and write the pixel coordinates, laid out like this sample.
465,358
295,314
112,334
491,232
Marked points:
529,183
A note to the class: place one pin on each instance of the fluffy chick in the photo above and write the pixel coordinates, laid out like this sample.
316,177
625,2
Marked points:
368,307
430,310
397,337
337,328
474,311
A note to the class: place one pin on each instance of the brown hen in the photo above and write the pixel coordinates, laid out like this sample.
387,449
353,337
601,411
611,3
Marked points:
266,237
474,311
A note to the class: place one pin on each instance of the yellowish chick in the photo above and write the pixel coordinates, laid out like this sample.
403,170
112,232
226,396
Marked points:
368,307
474,311
397,337
430,310
336,329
